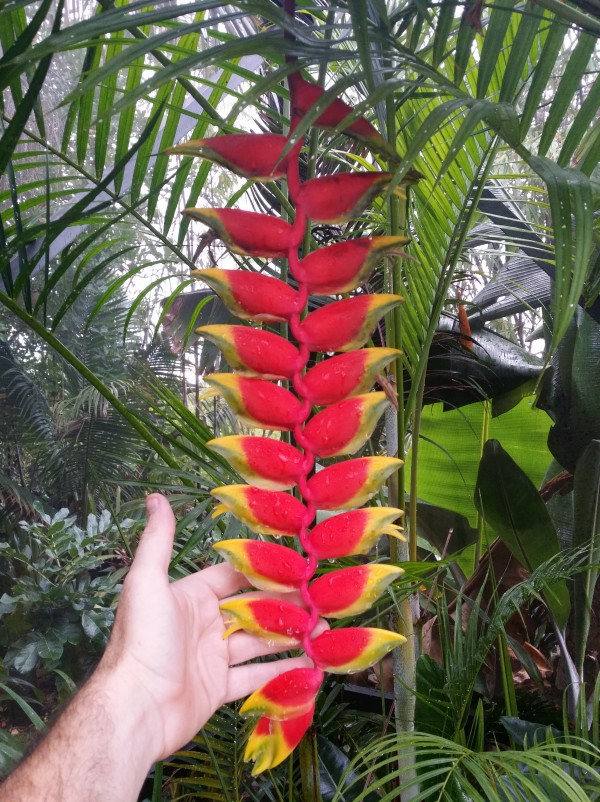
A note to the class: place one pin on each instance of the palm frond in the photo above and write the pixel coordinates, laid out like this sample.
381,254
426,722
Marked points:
447,771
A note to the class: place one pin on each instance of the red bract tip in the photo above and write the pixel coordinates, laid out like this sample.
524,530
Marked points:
354,532
258,403
344,266
249,233
269,512
251,296
272,741
344,427
353,649
256,156
340,197
351,591
287,696
262,461
268,566
346,325
351,483
305,95
253,352
346,375
281,622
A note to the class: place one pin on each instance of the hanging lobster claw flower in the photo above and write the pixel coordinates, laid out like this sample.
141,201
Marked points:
258,403
344,266
256,156
261,461
249,233
340,651
289,695
305,95
340,197
253,352
344,427
271,741
251,296
269,512
354,532
349,374
347,324
268,566
281,622
352,483
351,591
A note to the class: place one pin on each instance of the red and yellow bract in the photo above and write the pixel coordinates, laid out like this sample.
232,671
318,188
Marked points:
351,591
268,566
264,511
260,404
253,352
354,532
344,266
251,296
341,385
246,155
261,461
346,325
280,622
352,483
345,375
353,649
345,427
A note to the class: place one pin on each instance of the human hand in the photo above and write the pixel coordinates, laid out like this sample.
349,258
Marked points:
167,643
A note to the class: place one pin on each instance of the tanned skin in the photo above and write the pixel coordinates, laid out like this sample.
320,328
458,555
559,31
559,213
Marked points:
165,671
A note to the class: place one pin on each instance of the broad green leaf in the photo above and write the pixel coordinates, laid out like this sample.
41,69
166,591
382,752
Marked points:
586,534
511,505
450,447
333,765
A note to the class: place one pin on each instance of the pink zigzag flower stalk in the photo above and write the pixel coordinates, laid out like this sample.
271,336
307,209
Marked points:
340,385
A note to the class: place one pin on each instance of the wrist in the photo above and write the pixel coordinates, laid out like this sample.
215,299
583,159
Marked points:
132,711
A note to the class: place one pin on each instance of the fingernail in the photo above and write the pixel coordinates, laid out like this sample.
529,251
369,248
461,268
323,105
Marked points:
152,503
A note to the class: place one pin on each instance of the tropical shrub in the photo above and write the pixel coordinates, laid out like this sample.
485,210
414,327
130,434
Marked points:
59,587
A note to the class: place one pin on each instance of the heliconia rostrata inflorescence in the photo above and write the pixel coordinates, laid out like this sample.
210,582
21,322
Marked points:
340,385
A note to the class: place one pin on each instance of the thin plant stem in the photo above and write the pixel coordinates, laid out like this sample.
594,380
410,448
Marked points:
414,459
404,656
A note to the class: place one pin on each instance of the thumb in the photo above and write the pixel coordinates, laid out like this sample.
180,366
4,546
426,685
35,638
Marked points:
156,543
